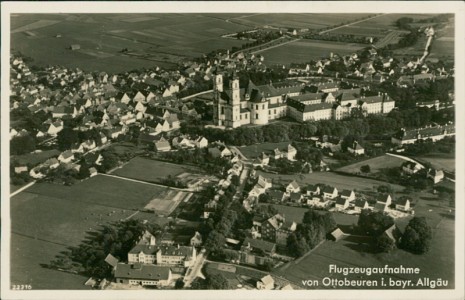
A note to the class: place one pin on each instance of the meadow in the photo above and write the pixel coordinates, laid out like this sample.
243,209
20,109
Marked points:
440,161
152,39
47,218
307,50
376,164
152,170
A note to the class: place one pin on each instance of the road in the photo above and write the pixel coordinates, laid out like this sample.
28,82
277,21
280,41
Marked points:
22,189
195,271
237,152
144,182
356,22
273,46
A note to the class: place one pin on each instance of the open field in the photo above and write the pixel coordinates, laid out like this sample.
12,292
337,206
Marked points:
254,151
101,39
313,21
102,190
167,201
307,50
376,164
47,218
155,171
28,254
351,253
329,178
440,161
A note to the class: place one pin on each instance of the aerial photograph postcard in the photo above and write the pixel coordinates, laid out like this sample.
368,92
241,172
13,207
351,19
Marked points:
164,151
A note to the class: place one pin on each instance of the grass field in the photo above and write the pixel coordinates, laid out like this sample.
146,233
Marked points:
440,161
307,50
152,170
154,39
376,164
167,201
313,21
47,218
351,252
254,151
26,257
329,178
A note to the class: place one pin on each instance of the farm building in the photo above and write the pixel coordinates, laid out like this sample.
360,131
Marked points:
140,274
75,47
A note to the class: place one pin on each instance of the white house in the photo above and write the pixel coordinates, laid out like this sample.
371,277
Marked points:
266,283
293,187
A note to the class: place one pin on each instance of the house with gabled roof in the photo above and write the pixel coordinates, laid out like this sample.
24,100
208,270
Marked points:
348,194
313,190
265,283
66,156
293,187
162,145
356,149
330,192
410,167
360,204
403,204
435,175
342,203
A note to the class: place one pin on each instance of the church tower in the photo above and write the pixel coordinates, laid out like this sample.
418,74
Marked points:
218,83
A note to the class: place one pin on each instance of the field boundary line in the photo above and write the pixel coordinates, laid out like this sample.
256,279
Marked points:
22,189
145,182
350,24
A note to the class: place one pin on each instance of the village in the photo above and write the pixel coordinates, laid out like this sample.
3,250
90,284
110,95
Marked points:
69,126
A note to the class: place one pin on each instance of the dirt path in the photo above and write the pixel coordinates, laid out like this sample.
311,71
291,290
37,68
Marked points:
347,25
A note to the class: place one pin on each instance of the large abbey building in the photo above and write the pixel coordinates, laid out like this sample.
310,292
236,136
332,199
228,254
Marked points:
236,106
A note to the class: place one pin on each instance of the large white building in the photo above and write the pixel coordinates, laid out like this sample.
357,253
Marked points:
236,106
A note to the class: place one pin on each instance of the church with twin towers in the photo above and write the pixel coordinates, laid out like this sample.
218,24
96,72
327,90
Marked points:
235,106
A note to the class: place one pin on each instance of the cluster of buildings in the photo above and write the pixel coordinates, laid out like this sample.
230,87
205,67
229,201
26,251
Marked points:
263,159
326,197
258,105
434,133
152,263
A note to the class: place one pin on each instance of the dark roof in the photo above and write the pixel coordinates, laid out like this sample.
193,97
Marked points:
346,193
172,250
275,194
360,203
259,244
424,132
308,107
341,201
146,249
328,189
142,271
402,201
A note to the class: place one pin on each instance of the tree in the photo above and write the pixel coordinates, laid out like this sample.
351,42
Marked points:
374,223
384,243
179,284
22,145
365,169
417,236
297,246
66,138
217,282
